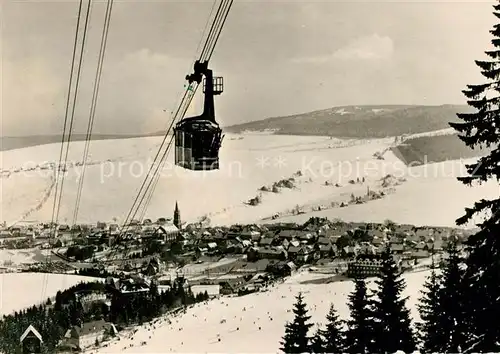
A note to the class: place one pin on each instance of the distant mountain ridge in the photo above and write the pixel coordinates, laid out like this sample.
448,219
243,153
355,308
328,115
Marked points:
19,142
371,121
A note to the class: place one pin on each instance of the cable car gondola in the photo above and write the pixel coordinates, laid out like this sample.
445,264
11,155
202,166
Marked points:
198,139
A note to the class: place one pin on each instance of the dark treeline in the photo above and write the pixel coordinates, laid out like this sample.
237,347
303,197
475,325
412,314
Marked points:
53,319
138,309
97,273
84,272
380,321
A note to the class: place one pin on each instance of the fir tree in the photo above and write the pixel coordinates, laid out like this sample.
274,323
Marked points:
452,304
318,342
333,334
331,339
393,324
296,339
481,128
154,295
58,301
359,335
429,308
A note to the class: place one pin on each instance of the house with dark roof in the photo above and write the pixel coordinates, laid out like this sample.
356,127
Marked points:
326,250
403,228
252,235
267,241
287,234
302,253
282,268
5,234
31,341
424,233
155,266
323,240
397,247
272,253
306,236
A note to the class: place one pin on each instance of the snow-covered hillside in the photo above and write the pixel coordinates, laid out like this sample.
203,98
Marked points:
118,167
430,195
22,290
248,324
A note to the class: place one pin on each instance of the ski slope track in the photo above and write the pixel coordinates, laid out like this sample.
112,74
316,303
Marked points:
249,324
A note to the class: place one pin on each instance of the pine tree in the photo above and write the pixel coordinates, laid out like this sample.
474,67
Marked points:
452,303
429,308
482,129
154,305
359,335
331,339
318,342
333,334
393,324
296,339
58,301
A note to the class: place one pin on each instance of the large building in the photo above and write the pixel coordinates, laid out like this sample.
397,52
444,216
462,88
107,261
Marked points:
364,268
167,233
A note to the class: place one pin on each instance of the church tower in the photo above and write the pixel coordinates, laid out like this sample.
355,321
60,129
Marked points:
177,216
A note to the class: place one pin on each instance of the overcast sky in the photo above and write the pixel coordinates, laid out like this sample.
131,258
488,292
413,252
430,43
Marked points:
277,58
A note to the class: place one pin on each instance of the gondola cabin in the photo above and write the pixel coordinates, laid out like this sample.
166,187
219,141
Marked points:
197,144
198,139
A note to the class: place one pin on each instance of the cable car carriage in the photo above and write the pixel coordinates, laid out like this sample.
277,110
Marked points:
198,139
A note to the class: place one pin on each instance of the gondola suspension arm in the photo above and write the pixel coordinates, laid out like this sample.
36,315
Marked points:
205,56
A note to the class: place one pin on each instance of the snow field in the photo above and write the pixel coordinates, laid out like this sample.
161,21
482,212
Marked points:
430,195
118,167
248,324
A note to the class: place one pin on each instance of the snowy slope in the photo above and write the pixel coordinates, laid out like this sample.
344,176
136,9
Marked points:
199,329
431,195
114,176
118,167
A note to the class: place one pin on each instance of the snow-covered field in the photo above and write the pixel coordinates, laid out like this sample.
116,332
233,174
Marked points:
431,195
248,324
22,290
118,167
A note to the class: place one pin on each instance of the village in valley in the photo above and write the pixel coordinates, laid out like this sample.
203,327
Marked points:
216,261
225,255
